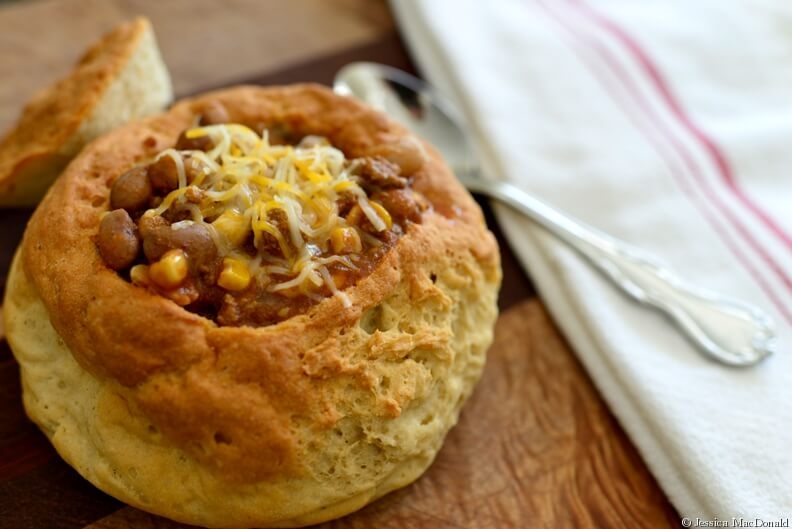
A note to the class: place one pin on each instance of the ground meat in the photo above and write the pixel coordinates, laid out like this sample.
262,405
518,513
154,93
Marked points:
147,224
194,194
346,201
266,242
377,172
185,294
402,205
280,220
257,307
209,299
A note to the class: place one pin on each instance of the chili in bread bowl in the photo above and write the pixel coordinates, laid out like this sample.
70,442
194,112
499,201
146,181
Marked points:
181,398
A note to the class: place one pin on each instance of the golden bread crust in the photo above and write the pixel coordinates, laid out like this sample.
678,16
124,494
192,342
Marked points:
99,94
334,407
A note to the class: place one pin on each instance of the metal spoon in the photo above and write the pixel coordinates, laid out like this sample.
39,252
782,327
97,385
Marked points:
728,330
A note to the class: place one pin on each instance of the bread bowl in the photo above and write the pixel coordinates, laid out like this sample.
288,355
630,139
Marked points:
240,417
119,78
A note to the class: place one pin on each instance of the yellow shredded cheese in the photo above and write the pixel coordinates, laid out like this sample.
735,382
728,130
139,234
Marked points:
283,198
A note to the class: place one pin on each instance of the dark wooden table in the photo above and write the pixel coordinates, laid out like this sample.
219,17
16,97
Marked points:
535,447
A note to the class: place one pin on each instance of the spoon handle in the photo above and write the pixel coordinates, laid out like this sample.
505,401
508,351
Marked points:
729,331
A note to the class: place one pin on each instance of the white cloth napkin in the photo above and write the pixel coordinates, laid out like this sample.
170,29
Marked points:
668,124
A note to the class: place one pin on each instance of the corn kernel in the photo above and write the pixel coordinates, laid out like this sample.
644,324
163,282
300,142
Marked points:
197,132
139,274
170,271
233,225
345,240
382,213
234,276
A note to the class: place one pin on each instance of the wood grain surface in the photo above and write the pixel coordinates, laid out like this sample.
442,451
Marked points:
535,446
205,43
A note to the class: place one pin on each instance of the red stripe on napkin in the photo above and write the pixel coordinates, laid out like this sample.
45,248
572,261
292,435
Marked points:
717,155
680,176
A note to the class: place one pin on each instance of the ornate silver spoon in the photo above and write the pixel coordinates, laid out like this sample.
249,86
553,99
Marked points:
728,330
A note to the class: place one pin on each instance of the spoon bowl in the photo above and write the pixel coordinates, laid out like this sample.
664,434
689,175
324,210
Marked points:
727,330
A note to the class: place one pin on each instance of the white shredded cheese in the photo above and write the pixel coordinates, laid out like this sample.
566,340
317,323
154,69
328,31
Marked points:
244,175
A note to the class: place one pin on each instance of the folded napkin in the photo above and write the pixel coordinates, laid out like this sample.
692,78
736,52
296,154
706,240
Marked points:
668,124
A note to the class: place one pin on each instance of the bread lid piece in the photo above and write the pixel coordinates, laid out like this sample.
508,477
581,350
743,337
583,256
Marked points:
120,78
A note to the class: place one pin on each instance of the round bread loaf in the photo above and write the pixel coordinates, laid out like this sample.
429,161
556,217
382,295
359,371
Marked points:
280,425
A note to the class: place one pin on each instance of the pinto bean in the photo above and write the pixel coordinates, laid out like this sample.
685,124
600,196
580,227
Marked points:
131,191
406,152
214,113
200,143
118,241
164,174
194,239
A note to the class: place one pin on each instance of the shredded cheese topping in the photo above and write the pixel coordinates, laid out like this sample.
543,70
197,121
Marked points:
244,185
